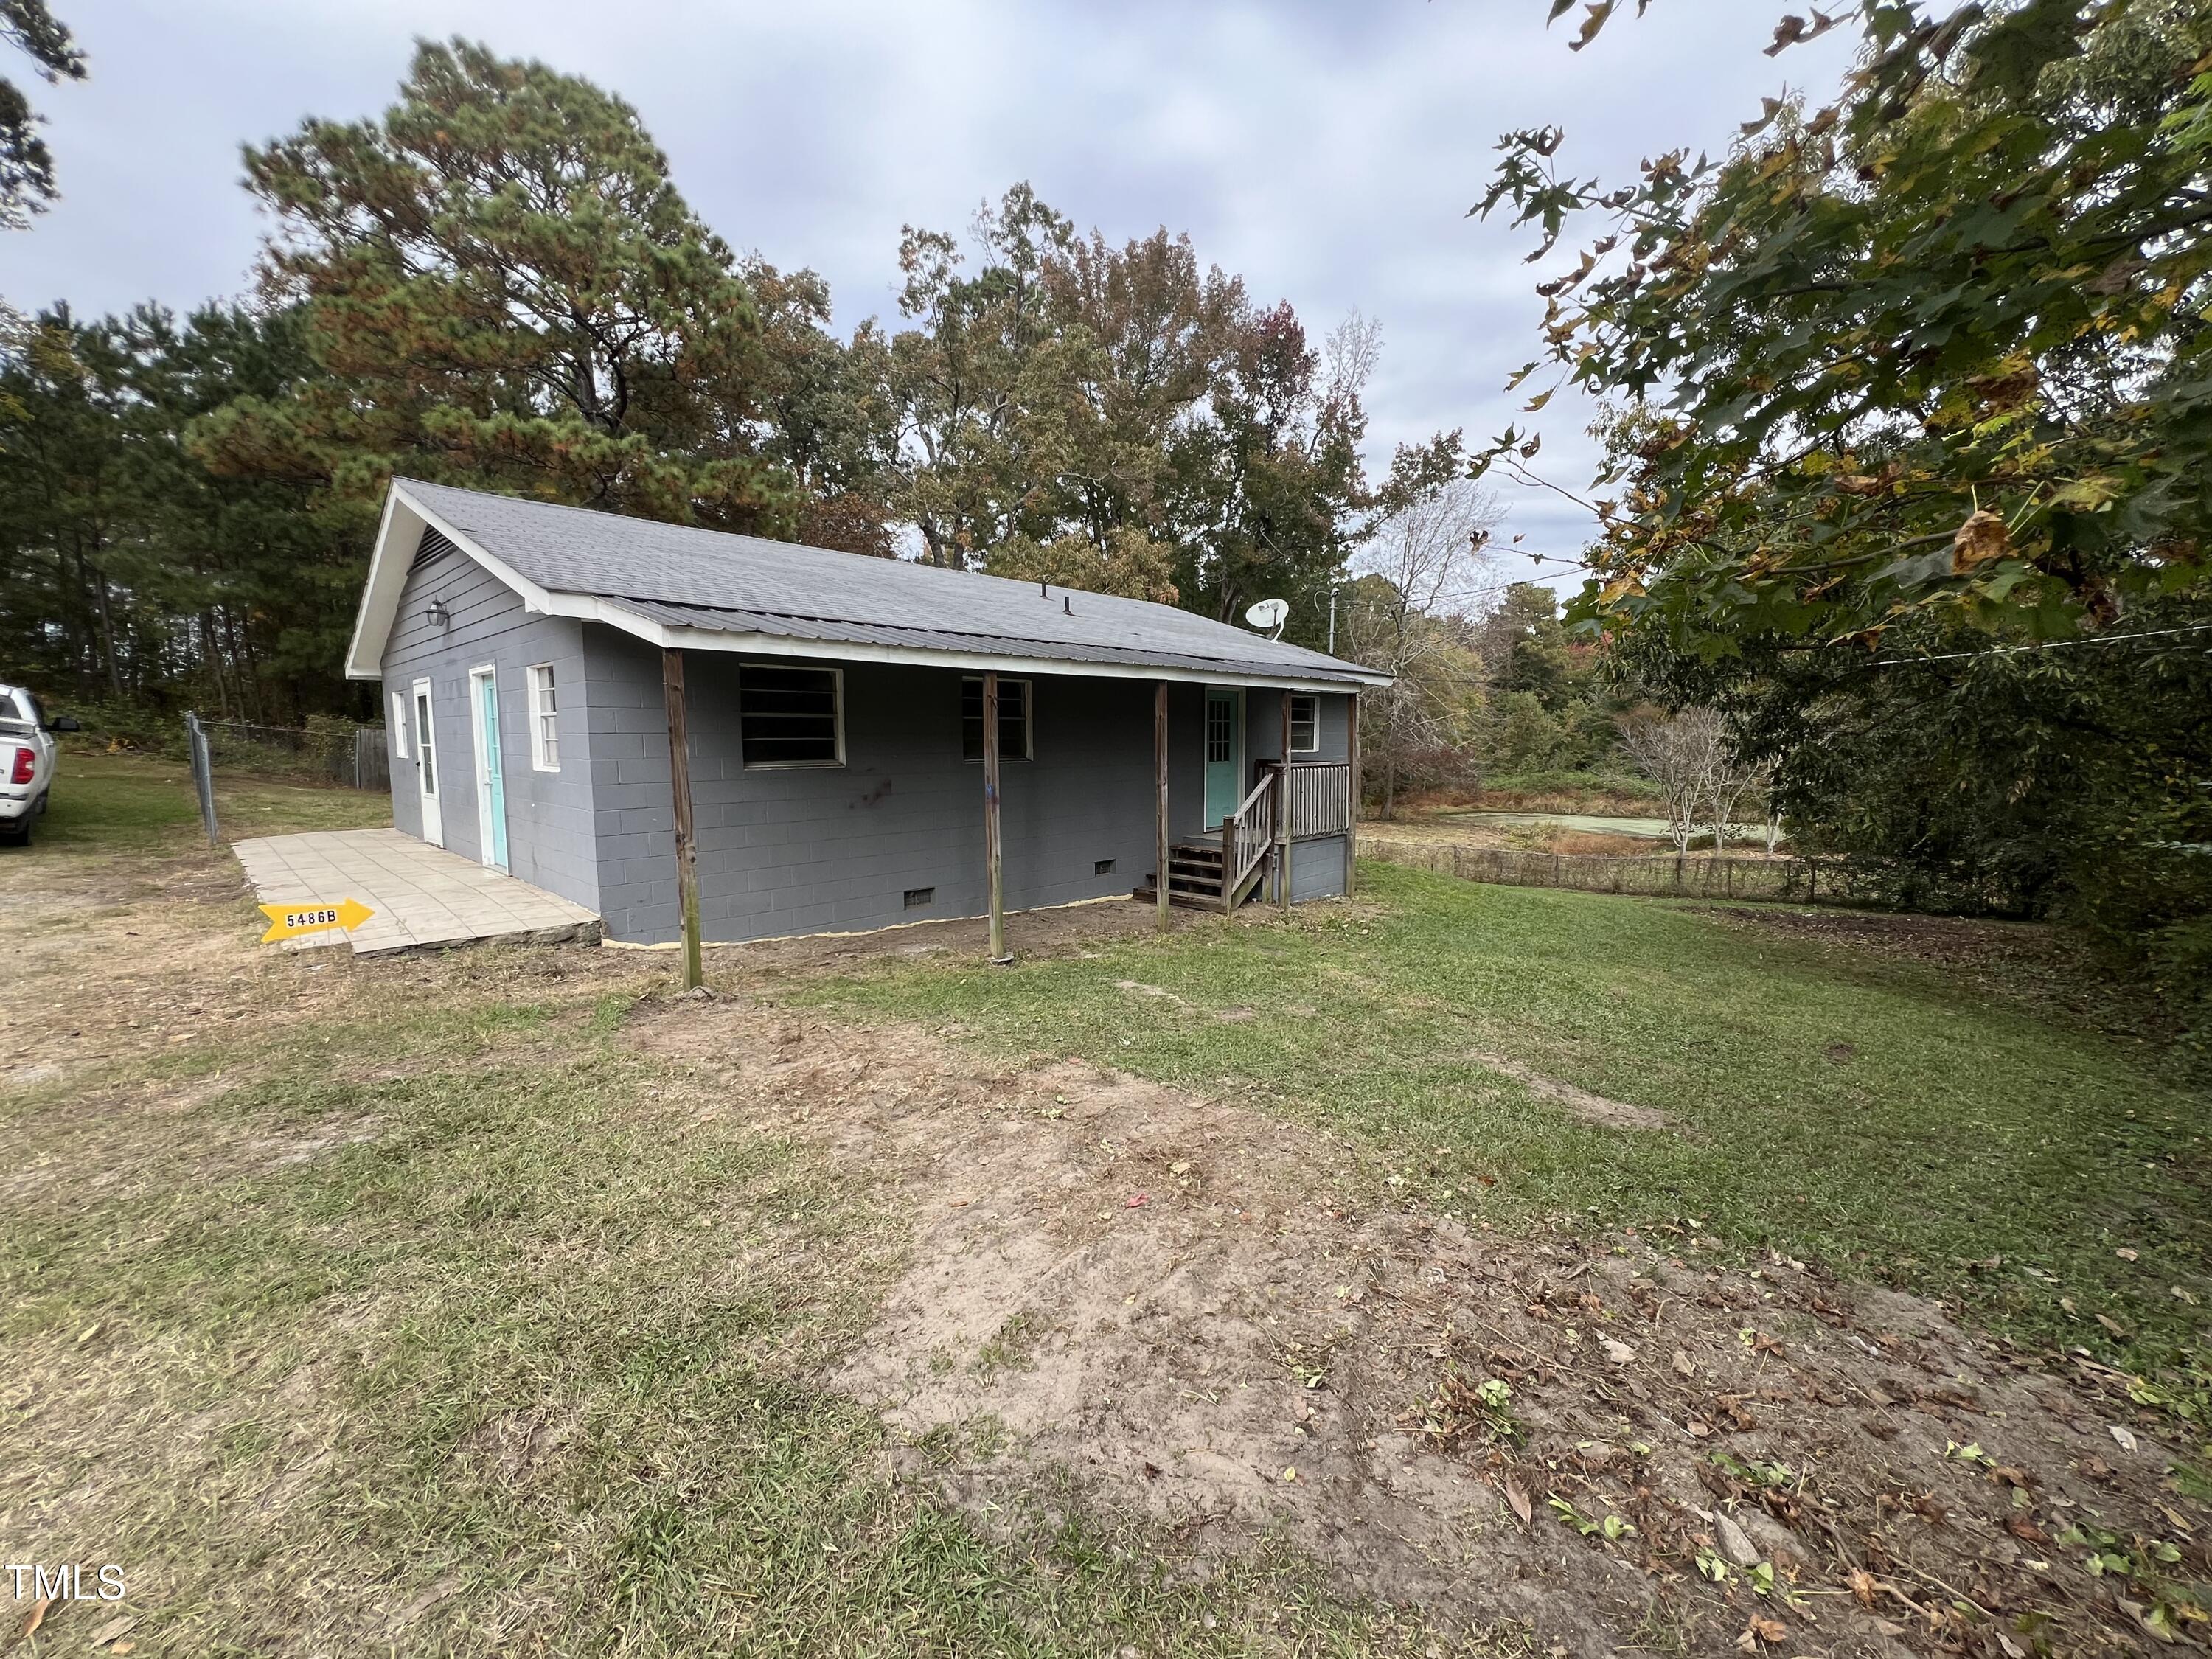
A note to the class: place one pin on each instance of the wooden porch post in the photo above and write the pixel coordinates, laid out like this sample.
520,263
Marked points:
991,817
1283,817
1160,784
679,782
1352,822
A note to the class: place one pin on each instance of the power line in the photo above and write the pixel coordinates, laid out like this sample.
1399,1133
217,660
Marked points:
2043,645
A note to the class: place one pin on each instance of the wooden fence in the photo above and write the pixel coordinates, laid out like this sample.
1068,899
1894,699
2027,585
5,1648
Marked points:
1790,881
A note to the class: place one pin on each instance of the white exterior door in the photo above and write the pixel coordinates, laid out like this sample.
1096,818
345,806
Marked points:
426,766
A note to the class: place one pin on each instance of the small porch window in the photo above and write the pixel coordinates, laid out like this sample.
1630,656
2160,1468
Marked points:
399,749
1013,720
791,716
545,722
1305,724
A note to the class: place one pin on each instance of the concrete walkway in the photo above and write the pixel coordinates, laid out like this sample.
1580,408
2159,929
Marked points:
422,895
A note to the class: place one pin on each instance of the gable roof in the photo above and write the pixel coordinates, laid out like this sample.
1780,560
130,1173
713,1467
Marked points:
698,589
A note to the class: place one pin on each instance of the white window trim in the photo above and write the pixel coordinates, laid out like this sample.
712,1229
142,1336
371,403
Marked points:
837,695
401,748
1313,748
1029,717
539,759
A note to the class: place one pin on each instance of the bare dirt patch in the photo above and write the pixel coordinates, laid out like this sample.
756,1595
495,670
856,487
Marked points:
1189,1306
1591,1108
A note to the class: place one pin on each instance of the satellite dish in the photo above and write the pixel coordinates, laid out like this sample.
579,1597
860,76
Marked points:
1268,613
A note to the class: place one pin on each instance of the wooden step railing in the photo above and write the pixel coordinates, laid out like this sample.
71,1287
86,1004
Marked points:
1320,799
1247,835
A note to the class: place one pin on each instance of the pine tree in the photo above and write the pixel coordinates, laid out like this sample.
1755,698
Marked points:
503,288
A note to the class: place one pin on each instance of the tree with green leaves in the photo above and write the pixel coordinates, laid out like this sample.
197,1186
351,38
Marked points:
27,166
129,572
1422,566
1939,345
503,288
1122,418
1910,467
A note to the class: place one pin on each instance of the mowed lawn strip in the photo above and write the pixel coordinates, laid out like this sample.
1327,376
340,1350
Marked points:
1879,1114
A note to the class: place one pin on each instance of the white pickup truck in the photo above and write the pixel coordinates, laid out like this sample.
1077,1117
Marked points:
27,762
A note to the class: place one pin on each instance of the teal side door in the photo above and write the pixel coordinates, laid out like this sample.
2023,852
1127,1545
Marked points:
1224,752
494,773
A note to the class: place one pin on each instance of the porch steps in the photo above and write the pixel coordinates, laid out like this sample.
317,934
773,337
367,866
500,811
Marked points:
1195,877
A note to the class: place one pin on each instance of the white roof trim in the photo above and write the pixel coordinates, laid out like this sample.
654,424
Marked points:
405,518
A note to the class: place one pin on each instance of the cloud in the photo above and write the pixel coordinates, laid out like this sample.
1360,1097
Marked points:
1326,152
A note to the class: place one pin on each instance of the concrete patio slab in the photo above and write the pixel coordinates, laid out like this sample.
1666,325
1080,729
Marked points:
423,894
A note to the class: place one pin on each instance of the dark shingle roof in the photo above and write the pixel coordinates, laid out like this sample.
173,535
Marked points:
683,577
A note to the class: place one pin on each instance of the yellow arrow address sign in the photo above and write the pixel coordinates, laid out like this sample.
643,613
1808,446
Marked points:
290,921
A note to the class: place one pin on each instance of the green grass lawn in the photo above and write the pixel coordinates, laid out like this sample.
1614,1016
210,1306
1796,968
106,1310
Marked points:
334,1295
1961,1145
103,802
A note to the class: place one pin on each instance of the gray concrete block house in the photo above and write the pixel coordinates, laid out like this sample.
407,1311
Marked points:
832,711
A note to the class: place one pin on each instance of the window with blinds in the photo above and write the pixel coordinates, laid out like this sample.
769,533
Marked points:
791,716
1013,720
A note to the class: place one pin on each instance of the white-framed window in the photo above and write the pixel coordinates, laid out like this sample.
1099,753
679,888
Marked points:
544,720
1014,724
1305,723
399,749
790,716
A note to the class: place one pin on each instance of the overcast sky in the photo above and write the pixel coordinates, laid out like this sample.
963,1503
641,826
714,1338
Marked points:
1326,152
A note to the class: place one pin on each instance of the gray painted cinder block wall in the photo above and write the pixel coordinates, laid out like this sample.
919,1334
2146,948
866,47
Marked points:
551,837
812,849
1317,868
834,848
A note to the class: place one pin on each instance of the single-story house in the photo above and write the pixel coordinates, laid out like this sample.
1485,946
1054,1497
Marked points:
857,741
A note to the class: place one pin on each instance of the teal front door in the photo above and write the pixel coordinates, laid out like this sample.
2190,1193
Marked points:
491,776
1224,753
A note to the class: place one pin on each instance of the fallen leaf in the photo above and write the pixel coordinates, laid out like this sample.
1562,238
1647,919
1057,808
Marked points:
2125,1437
1291,1474
1682,1364
38,1617
2126,1253
2013,1649
1517,1496
113,1628
1617,1352
959,1203
1760,1630
2180,1295
1181,1166
1863,1585
1137,1202
87,1335
2112,1325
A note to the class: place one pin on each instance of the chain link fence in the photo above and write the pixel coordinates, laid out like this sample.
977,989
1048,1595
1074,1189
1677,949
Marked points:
323,751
